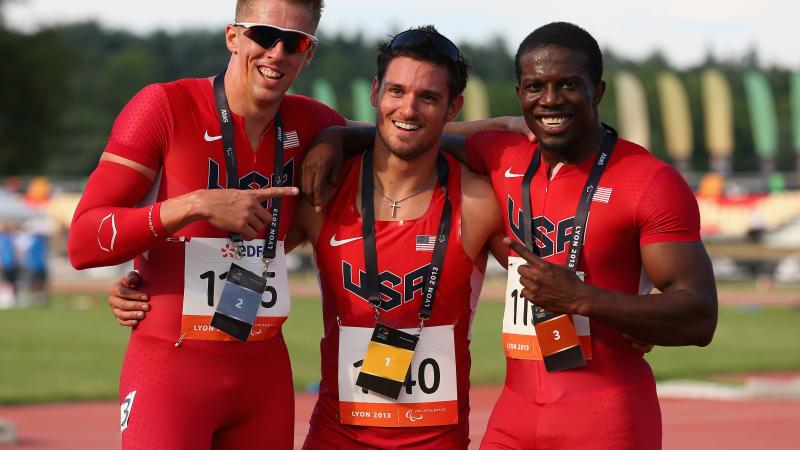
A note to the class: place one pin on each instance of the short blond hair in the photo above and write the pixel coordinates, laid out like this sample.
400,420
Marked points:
315,6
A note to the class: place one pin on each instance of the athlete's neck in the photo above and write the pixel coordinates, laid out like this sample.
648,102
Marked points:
406,185
397,177
586,147
258,115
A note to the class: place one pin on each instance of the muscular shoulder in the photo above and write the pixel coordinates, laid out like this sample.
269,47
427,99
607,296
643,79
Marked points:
481,215
159,101
631,159
474,187
497,139
663,204
490,151
305,108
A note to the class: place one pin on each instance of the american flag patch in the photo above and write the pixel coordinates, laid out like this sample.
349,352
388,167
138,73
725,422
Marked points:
425,243
602,195
291,140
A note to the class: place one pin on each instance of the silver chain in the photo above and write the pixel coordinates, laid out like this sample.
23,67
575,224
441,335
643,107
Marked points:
394,204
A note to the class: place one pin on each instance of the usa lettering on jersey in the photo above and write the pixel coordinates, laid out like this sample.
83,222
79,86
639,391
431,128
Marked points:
552,238
251,180
394,289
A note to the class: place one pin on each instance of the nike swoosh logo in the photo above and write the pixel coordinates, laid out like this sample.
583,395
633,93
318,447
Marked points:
336,243
513,175
211,138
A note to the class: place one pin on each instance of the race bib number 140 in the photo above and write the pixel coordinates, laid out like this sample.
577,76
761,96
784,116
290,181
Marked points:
429,394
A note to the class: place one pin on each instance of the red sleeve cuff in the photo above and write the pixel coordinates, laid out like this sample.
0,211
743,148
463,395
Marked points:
680,236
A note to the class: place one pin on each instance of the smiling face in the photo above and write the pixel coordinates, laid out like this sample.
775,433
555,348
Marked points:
264,75
558,99
413,105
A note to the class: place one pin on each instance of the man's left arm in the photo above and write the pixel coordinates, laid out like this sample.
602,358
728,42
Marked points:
674,259
685,310
512,124
683,313
322,162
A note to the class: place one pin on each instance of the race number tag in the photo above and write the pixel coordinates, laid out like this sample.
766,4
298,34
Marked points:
428,392
206,265
125,411
238,304
387,360
519,333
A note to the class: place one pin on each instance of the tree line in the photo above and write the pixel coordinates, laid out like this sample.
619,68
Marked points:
62,86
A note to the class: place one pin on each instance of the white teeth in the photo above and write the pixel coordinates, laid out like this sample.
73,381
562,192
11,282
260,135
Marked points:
406,126
553,121
269,73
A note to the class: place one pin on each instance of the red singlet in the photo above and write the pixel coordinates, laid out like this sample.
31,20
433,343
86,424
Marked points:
438,389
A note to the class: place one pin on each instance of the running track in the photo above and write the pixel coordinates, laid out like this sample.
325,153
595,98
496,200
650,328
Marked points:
688,424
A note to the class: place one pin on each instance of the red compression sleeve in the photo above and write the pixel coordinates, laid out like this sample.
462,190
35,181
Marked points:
107,229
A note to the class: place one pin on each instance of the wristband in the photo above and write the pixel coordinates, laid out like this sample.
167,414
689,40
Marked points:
150,221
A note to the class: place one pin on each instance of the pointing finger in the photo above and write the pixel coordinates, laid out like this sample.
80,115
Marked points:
523,252
268,193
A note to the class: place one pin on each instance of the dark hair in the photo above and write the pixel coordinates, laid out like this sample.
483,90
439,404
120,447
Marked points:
428,47
567,35
243,8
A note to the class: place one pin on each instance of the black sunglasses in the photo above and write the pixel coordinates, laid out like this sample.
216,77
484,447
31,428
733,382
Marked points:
440,43
268,35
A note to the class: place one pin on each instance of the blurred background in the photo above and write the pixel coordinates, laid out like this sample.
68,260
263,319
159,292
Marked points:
711,87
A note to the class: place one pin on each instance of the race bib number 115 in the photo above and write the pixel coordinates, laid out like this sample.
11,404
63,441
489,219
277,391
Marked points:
206,265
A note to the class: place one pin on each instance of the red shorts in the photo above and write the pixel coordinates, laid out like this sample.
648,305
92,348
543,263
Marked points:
627,417
201,395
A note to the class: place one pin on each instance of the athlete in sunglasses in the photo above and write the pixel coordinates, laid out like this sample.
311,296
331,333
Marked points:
183,384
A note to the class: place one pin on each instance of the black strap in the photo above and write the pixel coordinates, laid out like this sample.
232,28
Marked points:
278,180
527,220
370,250
582,214
232,170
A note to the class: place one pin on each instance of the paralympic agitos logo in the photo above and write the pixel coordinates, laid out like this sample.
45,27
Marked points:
553,238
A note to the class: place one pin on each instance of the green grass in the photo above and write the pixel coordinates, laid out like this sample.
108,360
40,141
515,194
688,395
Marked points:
61,353
747,340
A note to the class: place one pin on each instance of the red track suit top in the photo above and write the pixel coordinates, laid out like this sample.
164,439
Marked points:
639,200
173,128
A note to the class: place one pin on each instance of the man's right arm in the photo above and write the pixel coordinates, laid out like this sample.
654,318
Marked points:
130,306
324,159
109,228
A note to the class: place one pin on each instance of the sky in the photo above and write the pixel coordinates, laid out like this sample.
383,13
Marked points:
684,30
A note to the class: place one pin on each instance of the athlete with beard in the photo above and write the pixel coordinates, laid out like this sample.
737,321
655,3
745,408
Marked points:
418,87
